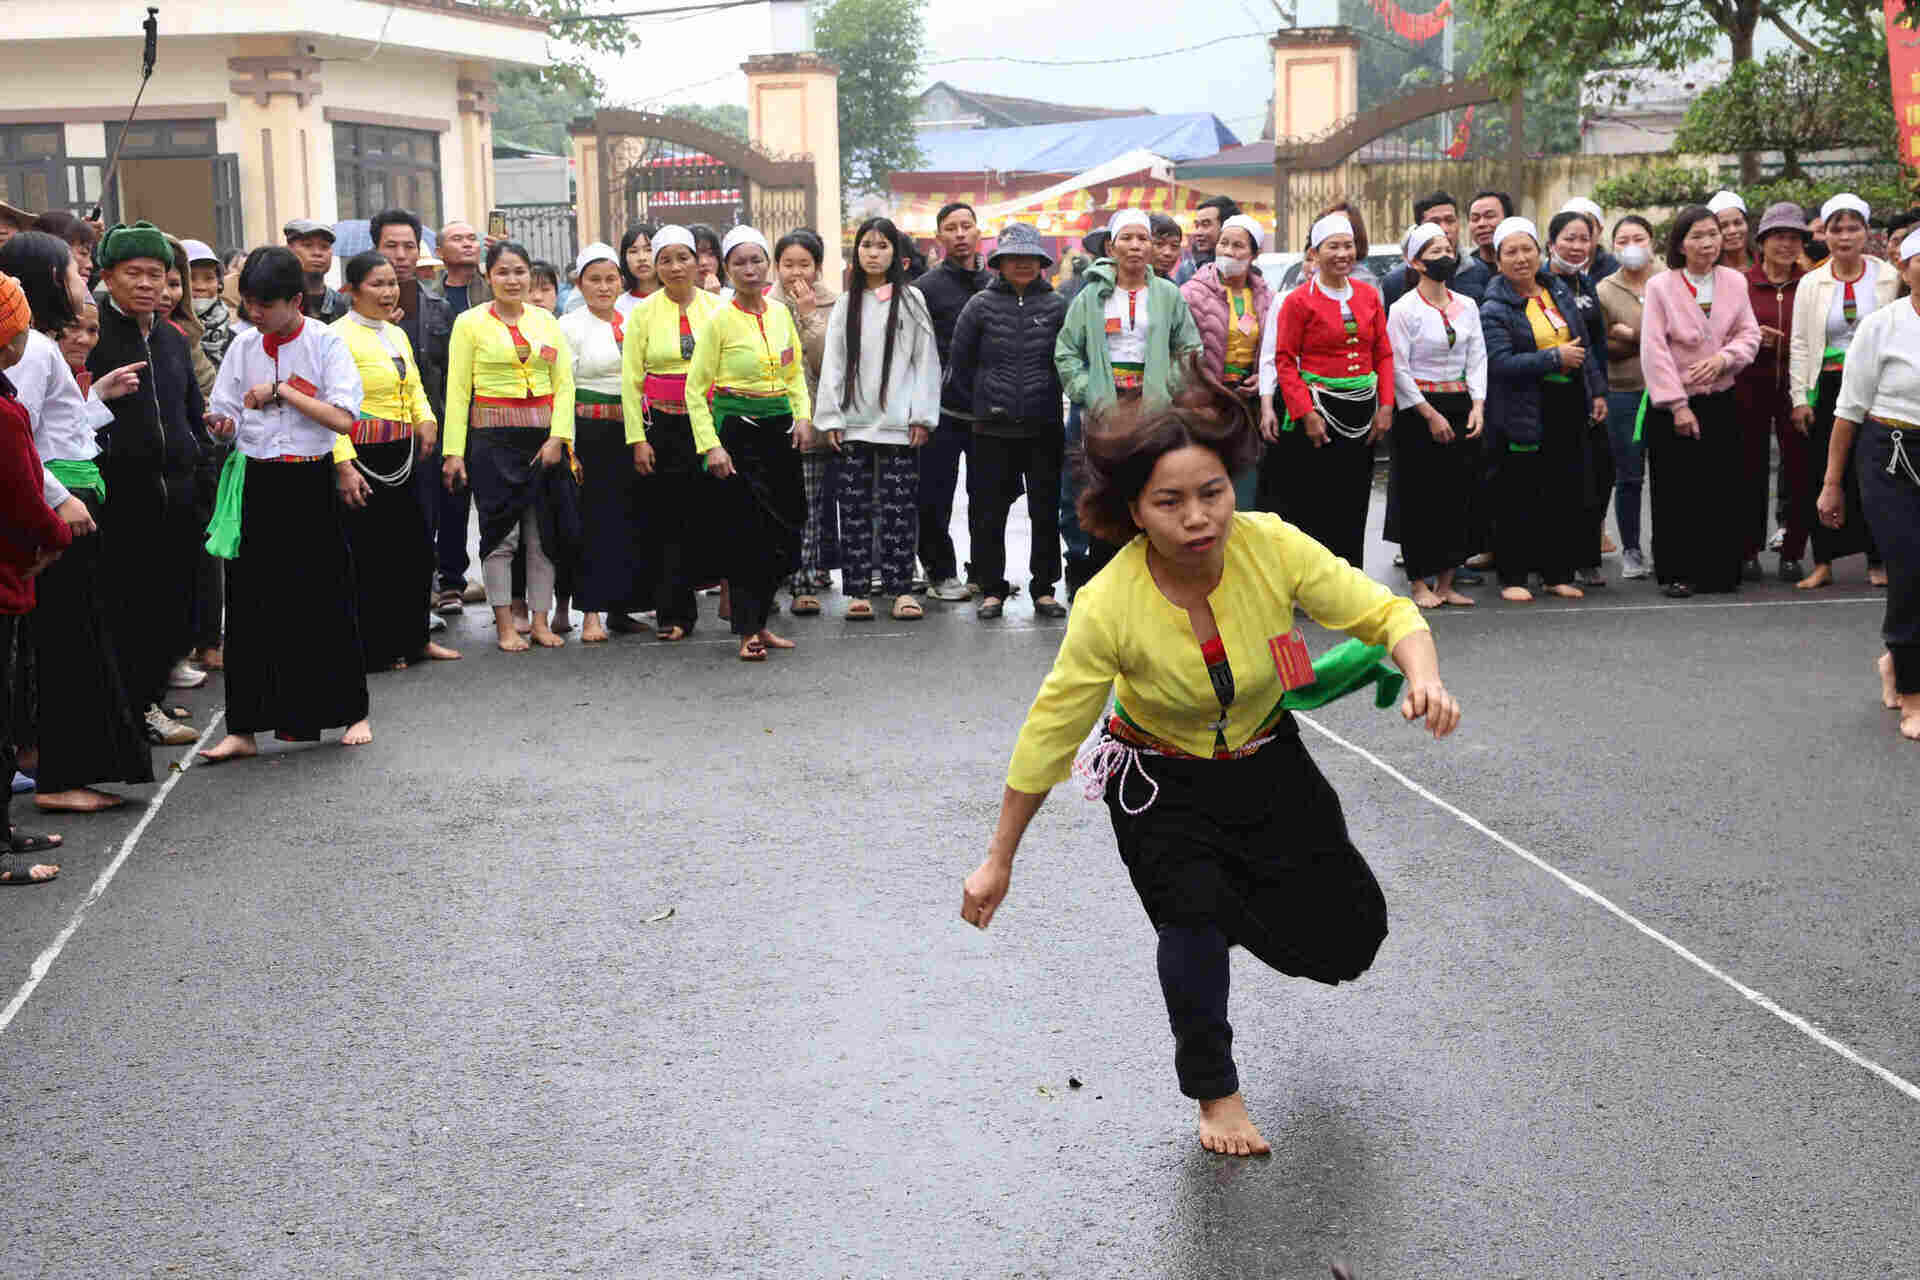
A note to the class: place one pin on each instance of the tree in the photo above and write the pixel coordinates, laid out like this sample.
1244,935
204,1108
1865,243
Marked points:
535,113
729,118
876,44
584,34
1795,104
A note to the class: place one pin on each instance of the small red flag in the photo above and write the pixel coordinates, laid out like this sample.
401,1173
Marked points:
1457,150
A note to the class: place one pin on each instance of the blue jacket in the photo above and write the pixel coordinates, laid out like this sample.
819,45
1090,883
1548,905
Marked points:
1516,365
1473,277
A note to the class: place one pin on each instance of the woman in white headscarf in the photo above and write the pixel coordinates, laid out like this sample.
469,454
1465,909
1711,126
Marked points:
1730,211
1329,357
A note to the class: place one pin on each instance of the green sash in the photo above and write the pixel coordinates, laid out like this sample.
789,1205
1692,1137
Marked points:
1831,353
223,532
1358,382
77,474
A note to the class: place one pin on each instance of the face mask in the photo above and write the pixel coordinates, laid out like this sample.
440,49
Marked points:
1635,257
1566,268
1440,269
1231,268
1817,251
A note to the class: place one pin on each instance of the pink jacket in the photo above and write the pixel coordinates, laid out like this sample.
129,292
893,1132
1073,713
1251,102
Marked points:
1673,335
1207,298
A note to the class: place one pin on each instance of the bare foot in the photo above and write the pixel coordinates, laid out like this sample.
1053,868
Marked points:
1876,577
1425,596
437,652
399,664
543,635
773,641
1889,695
1910,722
1517,595
1566,591
1607,545
1226,1127
1457,598
1822,576
14,869
522,619
358,734
593,631
209,659
510,640
78,800
235,746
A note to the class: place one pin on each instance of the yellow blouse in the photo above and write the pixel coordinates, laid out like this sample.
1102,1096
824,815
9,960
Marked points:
756,355
481,362
1243,345
386,393
653,347
1125,634
1546,334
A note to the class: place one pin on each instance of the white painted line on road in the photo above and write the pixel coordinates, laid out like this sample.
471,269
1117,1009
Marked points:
1513,610
1787,1016
44,961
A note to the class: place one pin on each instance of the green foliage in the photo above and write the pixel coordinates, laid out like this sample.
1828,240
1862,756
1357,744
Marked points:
876,44
1795,105
1663,185
535,111
729,118
1884,187
570,21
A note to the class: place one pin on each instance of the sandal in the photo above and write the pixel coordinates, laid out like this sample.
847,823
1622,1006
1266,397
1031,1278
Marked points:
19,841
907,609
16,870
1048,607
989,608
673,634
754,650
859,611
179,713
805,606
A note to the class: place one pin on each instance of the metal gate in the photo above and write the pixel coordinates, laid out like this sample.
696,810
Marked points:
547,230
664,169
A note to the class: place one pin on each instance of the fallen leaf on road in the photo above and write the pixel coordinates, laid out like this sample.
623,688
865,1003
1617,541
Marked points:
658,916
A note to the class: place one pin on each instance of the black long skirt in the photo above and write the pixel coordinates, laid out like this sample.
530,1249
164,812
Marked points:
616,572
677,522
1853,536
1259,848
149,571
294,660
763,510
89,731
392,562
1543,493
1698,499
1323,491
1436,486
1890,502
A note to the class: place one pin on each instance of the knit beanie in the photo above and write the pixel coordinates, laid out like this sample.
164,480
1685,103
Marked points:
15,315
123,243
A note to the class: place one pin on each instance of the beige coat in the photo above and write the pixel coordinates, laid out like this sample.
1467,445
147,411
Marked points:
1810,306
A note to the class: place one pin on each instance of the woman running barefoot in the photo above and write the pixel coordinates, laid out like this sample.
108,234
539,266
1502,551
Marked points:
1227,828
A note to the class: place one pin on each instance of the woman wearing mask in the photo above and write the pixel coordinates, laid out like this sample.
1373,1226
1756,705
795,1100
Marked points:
386,525
797,260
1831,302
668,454
1760,391
1440,392
616,574
1230,301
1699,332
1546,386
637,275
1622,298
1730,211
509,410
879,402
89,729
1332,363
747,392
1570,241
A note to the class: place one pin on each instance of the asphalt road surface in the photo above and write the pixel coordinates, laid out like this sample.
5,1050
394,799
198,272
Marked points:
411,1010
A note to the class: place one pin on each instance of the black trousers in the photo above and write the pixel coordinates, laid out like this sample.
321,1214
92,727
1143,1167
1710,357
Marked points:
1890,501
763,505
1541,495
1251,852
673,503
998,466
1698,496
939,475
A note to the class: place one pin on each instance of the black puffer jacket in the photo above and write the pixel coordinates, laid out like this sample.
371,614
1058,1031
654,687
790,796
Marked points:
948,288
1001,364
162,426
429,327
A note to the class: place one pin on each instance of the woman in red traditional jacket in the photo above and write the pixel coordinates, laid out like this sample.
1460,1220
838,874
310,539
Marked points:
1329,355
1766,408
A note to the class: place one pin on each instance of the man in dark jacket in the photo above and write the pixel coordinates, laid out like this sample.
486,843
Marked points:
1478,266
147,461
947,288
1001,366
312,243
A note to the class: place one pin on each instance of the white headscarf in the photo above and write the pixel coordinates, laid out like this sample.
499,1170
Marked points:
1843,202
598,251
1248,225
1127,218
740,235
1911,245
1334,224
672,234
1419,238
1512,227
1725,200
1582,205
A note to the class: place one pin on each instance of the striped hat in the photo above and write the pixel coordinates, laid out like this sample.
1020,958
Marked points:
15,316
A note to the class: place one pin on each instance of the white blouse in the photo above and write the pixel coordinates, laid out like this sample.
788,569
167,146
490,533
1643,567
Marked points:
1841,333
1421,353
63,420
596,354
317,356
1882,378
1127,331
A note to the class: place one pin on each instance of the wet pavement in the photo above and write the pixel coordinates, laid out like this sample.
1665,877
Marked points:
411,1010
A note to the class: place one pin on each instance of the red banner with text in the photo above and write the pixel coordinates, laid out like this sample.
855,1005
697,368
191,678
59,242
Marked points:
1903,60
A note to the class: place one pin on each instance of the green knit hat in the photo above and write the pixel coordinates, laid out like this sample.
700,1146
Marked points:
123,243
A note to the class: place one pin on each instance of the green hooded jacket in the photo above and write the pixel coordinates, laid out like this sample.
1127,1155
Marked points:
1080,354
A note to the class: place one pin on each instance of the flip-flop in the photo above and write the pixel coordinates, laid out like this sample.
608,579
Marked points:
805,606
860,611
905,610
19,841
15,870
753,650
672,635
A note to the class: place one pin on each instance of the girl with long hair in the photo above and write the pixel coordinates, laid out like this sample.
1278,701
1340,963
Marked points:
635,263
797,259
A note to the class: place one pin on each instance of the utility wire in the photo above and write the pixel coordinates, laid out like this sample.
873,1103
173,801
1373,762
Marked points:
653,13
1097,62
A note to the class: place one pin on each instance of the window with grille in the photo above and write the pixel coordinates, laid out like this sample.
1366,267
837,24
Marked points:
377,168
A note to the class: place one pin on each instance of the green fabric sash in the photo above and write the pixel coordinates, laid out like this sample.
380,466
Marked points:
223,532
1347,668
582,396
1640,416
1522,448
1557,377
1831,353
77,474
750,407
1358,382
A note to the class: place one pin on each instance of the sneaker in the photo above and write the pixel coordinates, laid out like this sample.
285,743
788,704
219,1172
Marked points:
1778,540
448,602
920,585
435,623
1792,571
1483,560
1636,564
22,783
951,589
185,676
167,733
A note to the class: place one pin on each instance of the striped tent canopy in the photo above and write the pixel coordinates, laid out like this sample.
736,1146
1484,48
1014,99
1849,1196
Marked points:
1174,199
1070,211
915,215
